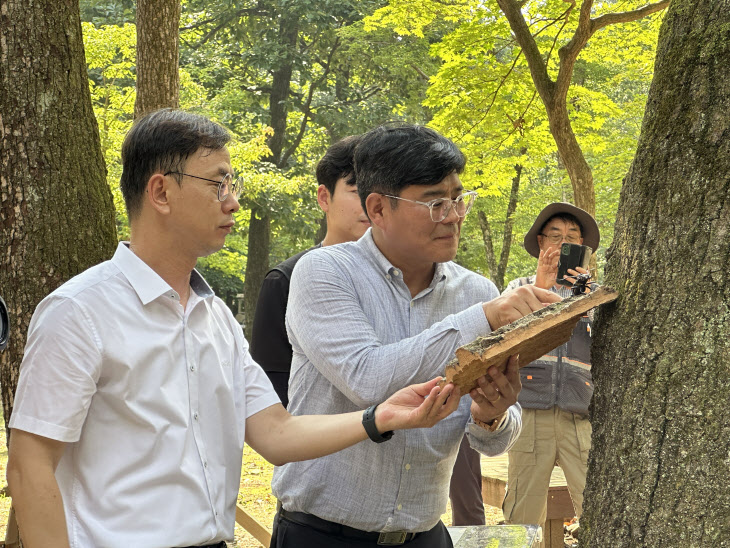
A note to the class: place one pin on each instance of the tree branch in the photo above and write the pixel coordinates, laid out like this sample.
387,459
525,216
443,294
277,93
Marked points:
494,95
306,109
569,52
586,28
488,247
420,72
538,68
627,16
229,17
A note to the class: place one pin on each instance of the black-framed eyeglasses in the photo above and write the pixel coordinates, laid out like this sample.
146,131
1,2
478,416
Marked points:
227,185
441,207
558,238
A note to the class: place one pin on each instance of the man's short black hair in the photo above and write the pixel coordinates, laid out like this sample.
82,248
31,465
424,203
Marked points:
566,218
162,141
392,157
337,164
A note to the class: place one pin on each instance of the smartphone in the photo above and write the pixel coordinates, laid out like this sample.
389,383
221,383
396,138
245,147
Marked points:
572,255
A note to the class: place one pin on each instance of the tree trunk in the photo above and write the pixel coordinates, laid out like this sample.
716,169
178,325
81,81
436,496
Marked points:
158,81
658,471
581,176
257,262
508,224
496,269
56,211
489,254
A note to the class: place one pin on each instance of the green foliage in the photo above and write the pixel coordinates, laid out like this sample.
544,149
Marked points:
108,12
343,81
483,97
110,55
358,63
110,58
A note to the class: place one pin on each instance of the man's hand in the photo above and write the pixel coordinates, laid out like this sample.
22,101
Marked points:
417,406
280,437
496,391
518,303
571,279
547,268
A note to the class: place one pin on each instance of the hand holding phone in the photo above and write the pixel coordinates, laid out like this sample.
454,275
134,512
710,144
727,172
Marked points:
571,257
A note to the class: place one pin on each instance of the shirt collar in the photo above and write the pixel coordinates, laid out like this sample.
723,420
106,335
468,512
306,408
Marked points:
146,282
368,244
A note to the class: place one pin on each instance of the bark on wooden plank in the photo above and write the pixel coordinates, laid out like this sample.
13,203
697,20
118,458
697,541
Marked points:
531,337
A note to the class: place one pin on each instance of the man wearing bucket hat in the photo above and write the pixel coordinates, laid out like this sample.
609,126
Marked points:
557,388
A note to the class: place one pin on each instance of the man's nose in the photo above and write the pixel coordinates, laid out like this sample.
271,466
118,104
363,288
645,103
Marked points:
451,217
230,204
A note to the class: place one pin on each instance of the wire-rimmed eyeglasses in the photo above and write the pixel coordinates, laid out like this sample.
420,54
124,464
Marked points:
557,238
227,185
441,207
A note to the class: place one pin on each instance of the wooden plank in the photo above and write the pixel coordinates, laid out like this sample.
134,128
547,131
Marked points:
531,337
553,535
493,490
250,524
559,503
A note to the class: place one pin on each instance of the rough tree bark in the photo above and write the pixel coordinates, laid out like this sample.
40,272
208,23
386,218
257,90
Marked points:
658,471
158,80
56,211
554,93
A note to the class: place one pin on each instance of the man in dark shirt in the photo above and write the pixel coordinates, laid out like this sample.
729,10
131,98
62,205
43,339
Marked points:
346,221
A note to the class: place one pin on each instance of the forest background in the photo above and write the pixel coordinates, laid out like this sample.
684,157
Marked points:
350,65
291,76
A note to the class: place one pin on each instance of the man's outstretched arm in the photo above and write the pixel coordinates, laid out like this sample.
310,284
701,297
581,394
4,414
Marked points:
32,462
281,437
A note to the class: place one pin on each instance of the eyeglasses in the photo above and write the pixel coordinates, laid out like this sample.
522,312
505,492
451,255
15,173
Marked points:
227,185
441,207
558,238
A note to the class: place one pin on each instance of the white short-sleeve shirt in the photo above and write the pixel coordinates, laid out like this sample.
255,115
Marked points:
151,400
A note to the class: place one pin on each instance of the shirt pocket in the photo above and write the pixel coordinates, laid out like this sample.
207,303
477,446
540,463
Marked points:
537,385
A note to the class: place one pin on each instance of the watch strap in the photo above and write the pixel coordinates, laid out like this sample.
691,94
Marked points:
492,425
368,421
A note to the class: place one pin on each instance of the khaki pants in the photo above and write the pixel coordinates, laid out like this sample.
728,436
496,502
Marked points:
549,437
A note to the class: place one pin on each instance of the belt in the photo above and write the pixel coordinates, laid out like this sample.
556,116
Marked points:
390,538
220,544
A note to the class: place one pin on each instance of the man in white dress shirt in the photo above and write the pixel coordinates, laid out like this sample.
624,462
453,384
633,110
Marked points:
137,390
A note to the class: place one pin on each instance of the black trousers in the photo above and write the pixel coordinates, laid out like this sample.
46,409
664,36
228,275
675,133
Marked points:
290,534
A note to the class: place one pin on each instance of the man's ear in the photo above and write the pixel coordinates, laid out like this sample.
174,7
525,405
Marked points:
323,198
158,192
375,208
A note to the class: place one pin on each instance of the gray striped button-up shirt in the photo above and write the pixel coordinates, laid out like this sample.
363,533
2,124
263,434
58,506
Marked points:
358,337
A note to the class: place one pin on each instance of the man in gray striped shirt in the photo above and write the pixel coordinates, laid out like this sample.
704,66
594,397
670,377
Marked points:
366,318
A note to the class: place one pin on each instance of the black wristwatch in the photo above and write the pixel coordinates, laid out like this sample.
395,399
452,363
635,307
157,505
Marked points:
368,421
